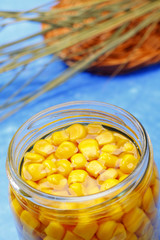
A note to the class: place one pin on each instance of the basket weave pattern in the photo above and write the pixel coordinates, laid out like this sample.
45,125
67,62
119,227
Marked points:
125,58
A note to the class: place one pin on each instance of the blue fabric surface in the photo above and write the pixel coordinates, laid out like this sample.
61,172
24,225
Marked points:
138,92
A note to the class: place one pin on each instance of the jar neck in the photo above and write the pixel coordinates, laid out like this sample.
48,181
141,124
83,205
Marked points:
61,116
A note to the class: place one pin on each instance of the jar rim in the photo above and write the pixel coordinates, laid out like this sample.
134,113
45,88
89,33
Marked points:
17,181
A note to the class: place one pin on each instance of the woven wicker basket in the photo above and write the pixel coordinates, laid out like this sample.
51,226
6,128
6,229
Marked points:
125,58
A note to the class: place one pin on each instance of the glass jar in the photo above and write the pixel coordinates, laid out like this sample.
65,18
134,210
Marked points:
127,211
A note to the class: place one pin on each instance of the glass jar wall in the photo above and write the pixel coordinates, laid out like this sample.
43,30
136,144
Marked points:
126,211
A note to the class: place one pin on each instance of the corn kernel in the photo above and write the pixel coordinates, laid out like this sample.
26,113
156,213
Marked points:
133,220
115,212
36,171
120,139
89,148
64,167
76,189
106,230
108,159
43,219
144,227
32,184
28,220
120,233
105,137
78,176
51,157
55,230
131,236
128,147
49,139
59,137
94,168
86,231
109,173
43,147
110,148
109,183
148,202
16,207
50,166
71,236
33,157
66,150
156,191
78,161
94,128
128,163
57,180
76,131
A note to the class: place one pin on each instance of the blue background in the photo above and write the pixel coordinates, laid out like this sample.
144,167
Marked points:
138,92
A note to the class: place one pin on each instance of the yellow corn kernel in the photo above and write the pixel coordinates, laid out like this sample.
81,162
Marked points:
128,163
43,219
144,227
55,230
16,207
148,204
76,189
106,230
128,147
123,177
78,161
71,236
64,167
119,233
107,174
57,180
86,231
36,171
59,137
28,220
33,157
50,167
93,128
133,219
66,150
156,191
77,176
94,168
109,183
49,238
51,157
108,159
120,139
105,137
89,148
49,139
131,236
32,184
43,147
115,212
76,131
110,148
